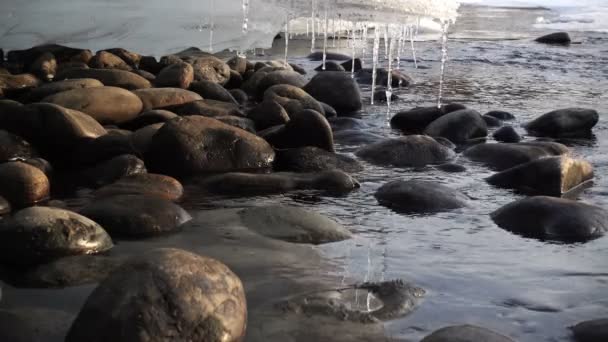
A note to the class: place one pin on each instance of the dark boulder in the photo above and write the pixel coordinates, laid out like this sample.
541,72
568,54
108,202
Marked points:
212,91
312,159
458,126
506,155
348,65
108,60
305,128
591,331
111,170
208,108
330,56
13,146
507,134
491,121
337,89
292,98
415,196
500,115
267,114
330,66
556,38
465,333
414,121
147,118
408,151
570,122
144,184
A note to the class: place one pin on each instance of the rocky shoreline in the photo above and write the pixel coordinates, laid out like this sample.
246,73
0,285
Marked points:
136,132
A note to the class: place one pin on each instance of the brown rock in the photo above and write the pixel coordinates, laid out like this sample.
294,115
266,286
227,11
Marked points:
107,60
22,184
109,77
154,98
178,75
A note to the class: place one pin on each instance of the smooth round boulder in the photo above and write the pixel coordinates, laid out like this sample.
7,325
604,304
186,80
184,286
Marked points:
48,89
503,156
491,121
465,333
239,95
292,98
92,152
19,82
108,60
208,108
45,66
238,64
349,65
5,207
210,68
267,114
112,170
279,77
171,294
293,224
591,331
337,89
556,38
554,219
398,78
40,234
136,216
458,126
417,196
407,151
196,144
155,98
330,66
145,184
140,140
313,159
569,122
178,75
500,115
212,91
239,122
23,184
13,146
147,118
108,105
129,57
254,184
330,56
414,121
506,134
305,128
550,176
109,77
347,123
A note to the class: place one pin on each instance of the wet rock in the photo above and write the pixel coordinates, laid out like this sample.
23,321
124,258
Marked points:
169,292
414,121
239,95
144,184
17,83
111,170
178,75
149,117
353,137
330,66
298,69
330,56
337,89
23,184
239,122
140,140
348,65
330,112
506,155
196,144
279,77
28,324
210,68
380,96
209,108
415,196
129,57
62,53
150,64
136,216
408,151
13,146
292,98
451,167
465,333
491,121
93,152
551,218
267,114
39,234
252,184
551,176
108,105
398,78
109,77
569,122
238,64
42,164
347,123
312,159
305,128
155,98
253,79
45,66
507,134
458,126
108,60
591,331
212,91
500,115
48,89
293,224
556,38
145,74
235,81
5,207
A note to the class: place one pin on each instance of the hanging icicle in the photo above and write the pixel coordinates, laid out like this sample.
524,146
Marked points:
325,37
312,22
413,48
386,42
286,37
389,84
444,58
375,60
245,16
353,43
211,23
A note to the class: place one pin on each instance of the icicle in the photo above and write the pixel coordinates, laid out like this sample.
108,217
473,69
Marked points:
352,68
385,41
312,21
389,84
286,37
444,58
375,60
413,48
333,28
364,41
245,15
325,37
307,29
211,23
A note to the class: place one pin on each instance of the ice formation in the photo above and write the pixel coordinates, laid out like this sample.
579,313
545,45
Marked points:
159,27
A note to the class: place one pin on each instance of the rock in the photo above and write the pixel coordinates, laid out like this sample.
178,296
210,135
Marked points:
267,114
556,38
550,218
140,140
150,64
458,126
491,121
235,81
330,56
145,74
63,54
23,184
306,128
109,77
48,89
17,83
398,79
111,170
13,146
551,176
45,66
108,60
209,108
569,122
408,151
149,117
451,167
298,69
415,121
380,96
239,95
500,115
330,112
131,58
348,65
212,91
591,331
506,134
172,294
212,69
337,89
312,159
196,144
29,324
239,122
5,207
178,75
39,234
155,98
415,196
144,184
347,123
238,64
293,224
353,137
136,216
279,77
292,98
330,66
254,184
108,105
465,333
42,164
252,79
503,156
93,152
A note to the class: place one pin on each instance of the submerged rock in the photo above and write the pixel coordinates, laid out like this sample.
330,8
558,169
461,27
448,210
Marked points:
145,184
507,134
591,331
556,38
500,115
550,218
570,122
331,56
171,294
23,184
330,66
458,126
415,196
408,151
311,159
465,333
506,155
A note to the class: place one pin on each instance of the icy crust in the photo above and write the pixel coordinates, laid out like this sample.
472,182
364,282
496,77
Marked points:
158,27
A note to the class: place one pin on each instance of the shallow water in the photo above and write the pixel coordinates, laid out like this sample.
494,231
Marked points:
473,271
